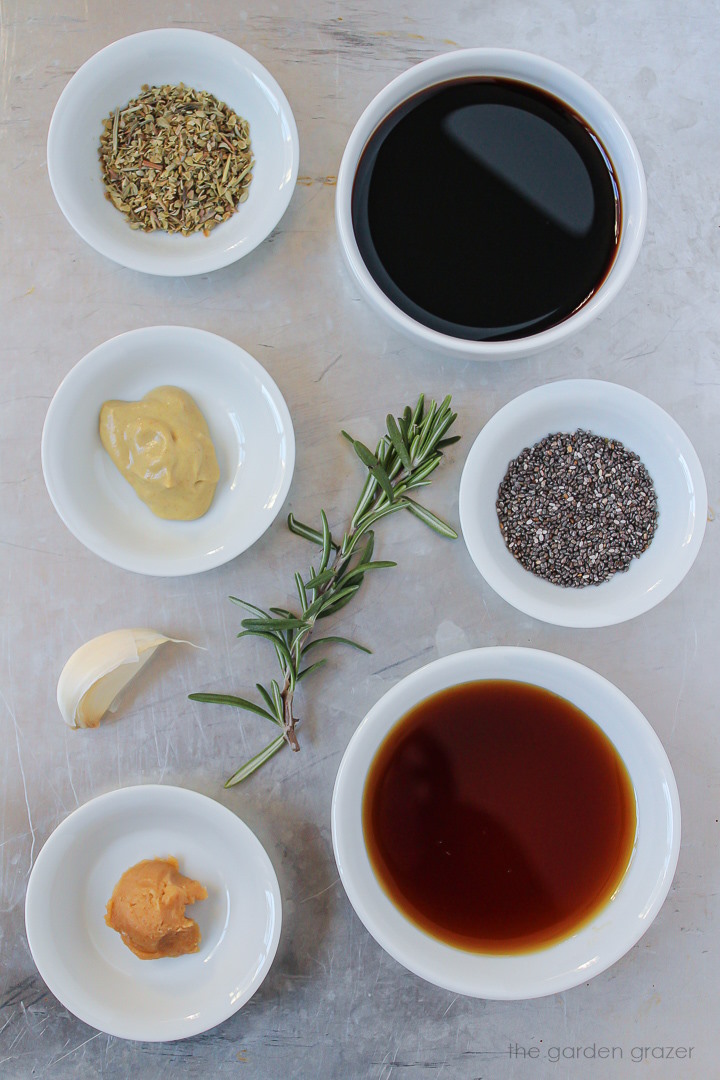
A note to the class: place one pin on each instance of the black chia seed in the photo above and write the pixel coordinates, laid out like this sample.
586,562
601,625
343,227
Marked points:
577,509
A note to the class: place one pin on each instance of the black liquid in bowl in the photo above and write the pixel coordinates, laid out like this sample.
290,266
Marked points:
486,209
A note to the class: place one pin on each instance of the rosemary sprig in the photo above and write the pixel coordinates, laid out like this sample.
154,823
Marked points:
403,461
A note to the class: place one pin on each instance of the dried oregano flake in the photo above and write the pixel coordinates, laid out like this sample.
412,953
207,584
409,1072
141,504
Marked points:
176,159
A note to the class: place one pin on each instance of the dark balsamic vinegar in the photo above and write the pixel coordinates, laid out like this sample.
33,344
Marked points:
498,817
486,209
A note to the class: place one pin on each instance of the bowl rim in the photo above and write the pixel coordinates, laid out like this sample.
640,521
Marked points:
574,960
514,415
164,265
187,564
439,69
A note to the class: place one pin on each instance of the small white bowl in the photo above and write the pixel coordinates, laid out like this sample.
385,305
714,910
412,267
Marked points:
249,424
605,409
583,100
614,930
115,75
84,962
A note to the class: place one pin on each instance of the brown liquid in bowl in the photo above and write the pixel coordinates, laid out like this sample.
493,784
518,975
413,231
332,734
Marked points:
498,817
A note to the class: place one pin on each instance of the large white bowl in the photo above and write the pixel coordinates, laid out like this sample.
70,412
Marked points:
563,84
115,75
642,426
614,930
249,424
84,962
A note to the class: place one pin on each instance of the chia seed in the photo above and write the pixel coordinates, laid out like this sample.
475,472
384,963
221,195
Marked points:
576,509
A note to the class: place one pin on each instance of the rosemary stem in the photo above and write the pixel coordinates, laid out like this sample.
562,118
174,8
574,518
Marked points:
289,719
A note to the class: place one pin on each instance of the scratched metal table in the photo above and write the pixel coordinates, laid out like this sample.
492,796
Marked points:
335,1005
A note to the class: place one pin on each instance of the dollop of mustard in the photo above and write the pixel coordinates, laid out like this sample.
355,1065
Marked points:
162,446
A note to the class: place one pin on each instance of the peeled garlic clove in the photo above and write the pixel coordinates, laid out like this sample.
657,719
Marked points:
96,673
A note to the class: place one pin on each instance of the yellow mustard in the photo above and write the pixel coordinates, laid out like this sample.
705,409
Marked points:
162,446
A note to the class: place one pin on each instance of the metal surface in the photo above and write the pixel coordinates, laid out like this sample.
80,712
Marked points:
334,1005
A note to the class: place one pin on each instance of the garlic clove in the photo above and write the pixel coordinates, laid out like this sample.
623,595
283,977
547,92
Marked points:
99,670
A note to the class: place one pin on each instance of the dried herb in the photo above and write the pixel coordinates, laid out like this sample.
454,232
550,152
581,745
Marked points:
403,461
176,159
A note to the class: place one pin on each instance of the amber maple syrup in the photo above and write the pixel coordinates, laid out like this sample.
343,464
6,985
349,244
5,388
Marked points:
499,817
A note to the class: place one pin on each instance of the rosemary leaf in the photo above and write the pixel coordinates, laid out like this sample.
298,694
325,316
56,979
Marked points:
365,499
398,442
255,762
316,607
266,698
318,580
424,470
307,670
437,434
414,445
379,474
277,696
404,423
273,624
431,519
301,591
366,456
368,549
333,598
333,639
372,518
250,607
417,413
361,569
338,604
237,702
327,541
305,531
428,419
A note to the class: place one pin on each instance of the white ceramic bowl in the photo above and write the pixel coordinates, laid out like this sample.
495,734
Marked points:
563,84
614,930
249,424
115,75
85,963
643,427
